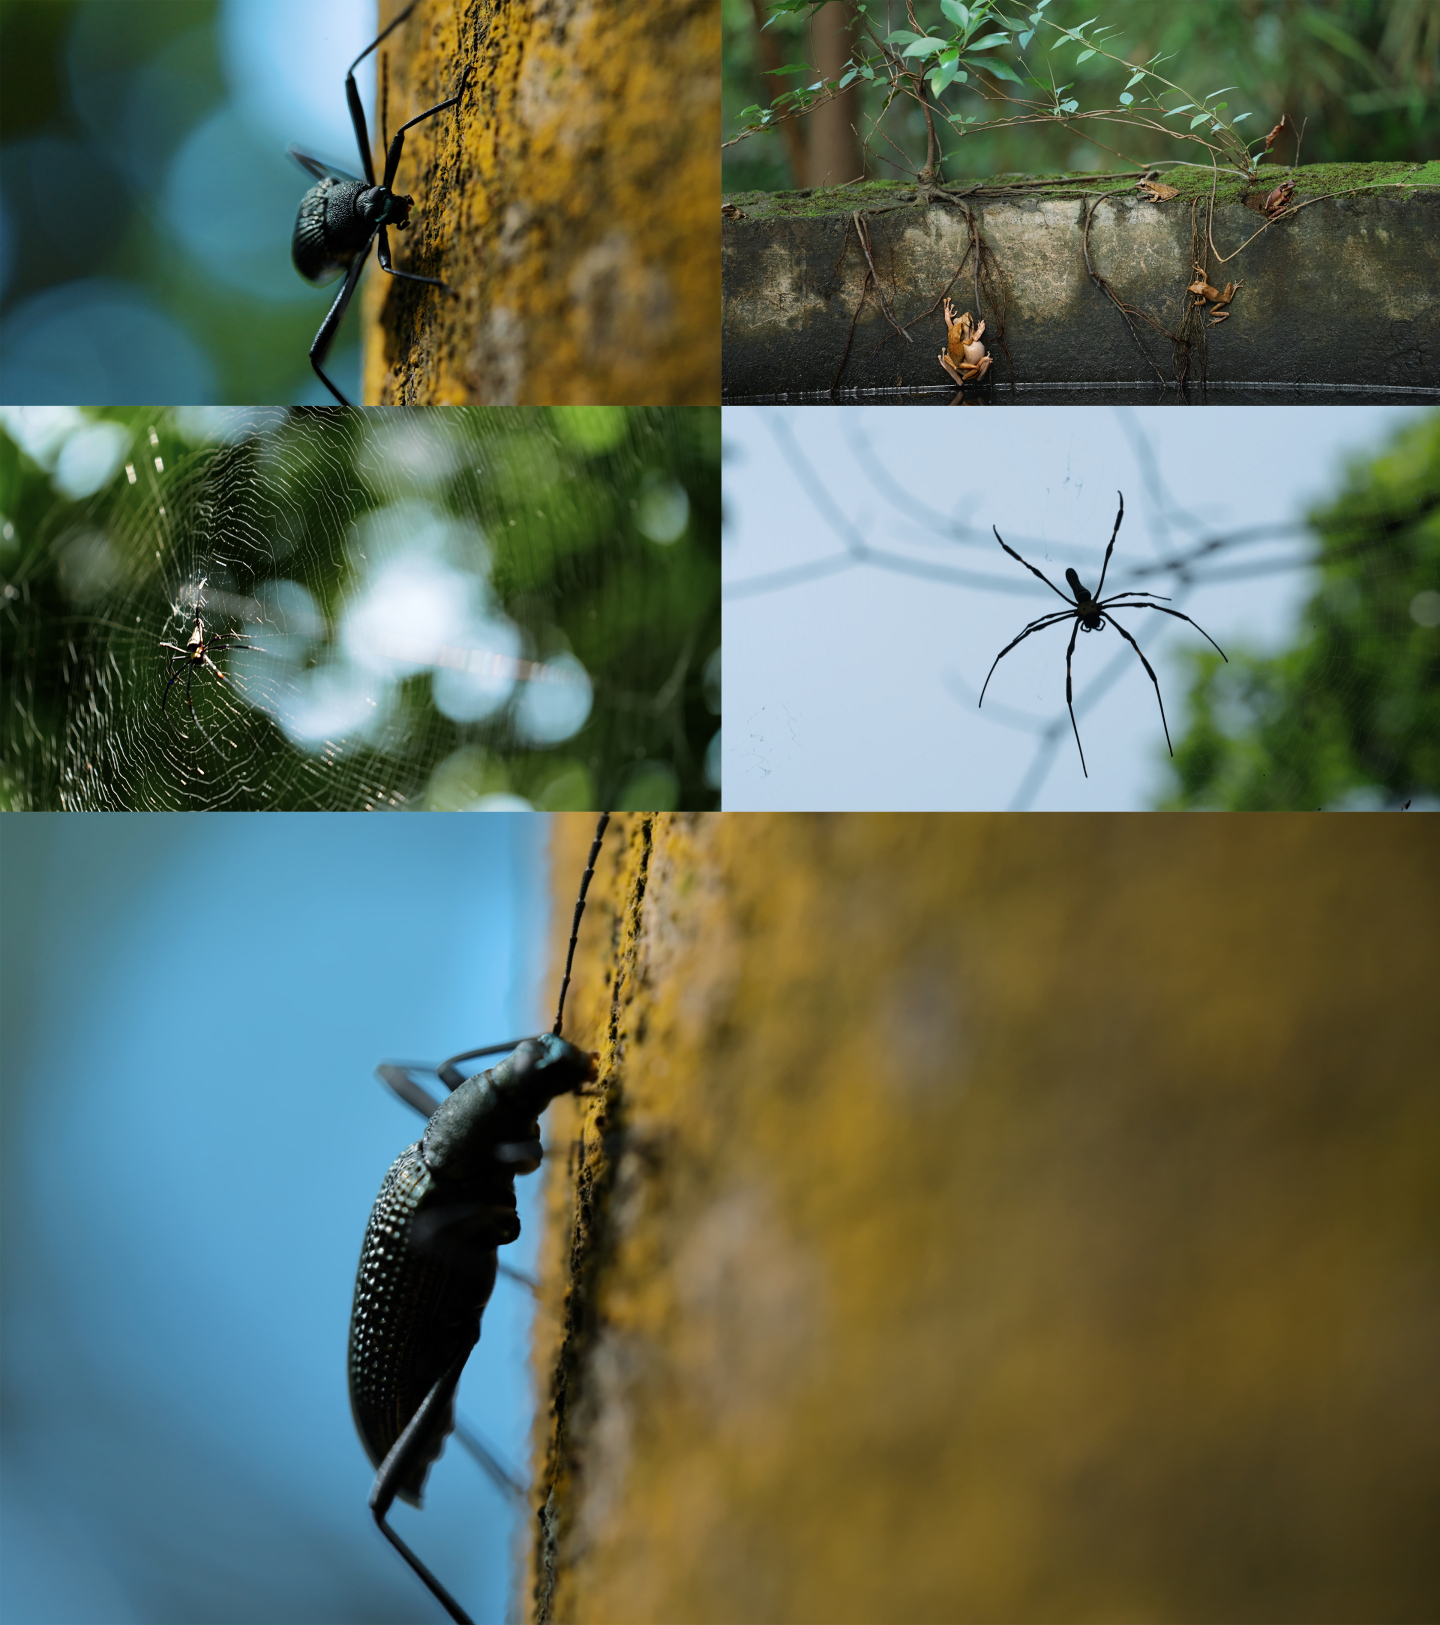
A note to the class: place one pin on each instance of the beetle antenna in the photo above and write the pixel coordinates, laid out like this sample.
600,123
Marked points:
579,910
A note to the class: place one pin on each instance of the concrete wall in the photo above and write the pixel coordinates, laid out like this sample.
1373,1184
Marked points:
1342,292
992,1218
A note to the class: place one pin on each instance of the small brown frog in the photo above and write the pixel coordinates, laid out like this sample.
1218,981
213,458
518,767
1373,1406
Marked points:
1156,191
964,356
1277,199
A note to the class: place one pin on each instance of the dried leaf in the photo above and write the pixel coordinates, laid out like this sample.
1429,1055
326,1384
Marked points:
1270,139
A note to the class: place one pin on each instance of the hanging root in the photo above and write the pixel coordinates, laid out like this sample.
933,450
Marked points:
1131,314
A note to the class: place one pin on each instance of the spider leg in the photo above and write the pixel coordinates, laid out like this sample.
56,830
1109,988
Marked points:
1030,567
1153,678
175,646
1068,700
189,678
213,667
1109,550
1034,626
165,697
321,347
1180,617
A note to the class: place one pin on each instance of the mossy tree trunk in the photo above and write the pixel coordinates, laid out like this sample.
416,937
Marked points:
997,1218
569,200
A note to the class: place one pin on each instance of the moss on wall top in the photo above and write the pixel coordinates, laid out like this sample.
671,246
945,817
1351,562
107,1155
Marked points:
1190,181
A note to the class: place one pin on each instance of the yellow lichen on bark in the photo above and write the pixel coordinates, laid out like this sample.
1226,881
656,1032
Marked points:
997,1218
570,204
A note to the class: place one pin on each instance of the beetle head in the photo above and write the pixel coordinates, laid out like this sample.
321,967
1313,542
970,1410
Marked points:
500,1106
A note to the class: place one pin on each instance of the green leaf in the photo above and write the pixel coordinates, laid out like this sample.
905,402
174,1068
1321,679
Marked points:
1000,71
1126,98
1082,57
1136,77
1069,107
1239,116
925,47
1184,107
1026,37
849,77
1199,119
901,34
988,42
1221,91
867,71
956,12
941,78
745,112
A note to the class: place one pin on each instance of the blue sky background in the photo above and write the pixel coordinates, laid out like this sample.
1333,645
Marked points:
193,1010
167,276
857,690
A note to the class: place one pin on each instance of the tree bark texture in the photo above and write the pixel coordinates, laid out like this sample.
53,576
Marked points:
836,155
569,201
993,1218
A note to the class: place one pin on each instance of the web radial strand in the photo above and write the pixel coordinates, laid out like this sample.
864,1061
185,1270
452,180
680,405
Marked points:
458,607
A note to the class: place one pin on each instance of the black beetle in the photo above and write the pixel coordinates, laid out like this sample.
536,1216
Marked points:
341,215
428,1263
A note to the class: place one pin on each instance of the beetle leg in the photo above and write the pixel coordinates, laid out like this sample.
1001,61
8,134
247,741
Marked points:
398,1080
494,1469
392,1472
321,347
382,253
352,96
397,145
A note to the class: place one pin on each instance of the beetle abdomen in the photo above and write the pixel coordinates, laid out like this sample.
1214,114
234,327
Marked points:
329,229
427,1268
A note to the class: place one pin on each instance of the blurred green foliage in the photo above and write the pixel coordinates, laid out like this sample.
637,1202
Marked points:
97,99
1351,715
590,534
1361,75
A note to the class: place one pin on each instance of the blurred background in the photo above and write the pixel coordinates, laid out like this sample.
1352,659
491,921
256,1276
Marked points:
146,202
447,608
866,599
193,1138
1362,74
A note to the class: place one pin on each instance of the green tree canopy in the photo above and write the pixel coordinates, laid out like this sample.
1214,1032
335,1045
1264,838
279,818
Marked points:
1349,716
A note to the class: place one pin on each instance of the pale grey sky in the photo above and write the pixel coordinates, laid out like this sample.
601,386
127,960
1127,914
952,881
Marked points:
856,689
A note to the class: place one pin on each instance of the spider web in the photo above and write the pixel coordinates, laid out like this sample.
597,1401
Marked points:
866,598
449,608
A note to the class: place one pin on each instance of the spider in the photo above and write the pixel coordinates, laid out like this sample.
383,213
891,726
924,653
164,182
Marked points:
341,216
196,654
1090,612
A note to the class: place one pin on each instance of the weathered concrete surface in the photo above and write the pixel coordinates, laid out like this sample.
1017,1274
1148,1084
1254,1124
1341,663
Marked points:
1342,292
